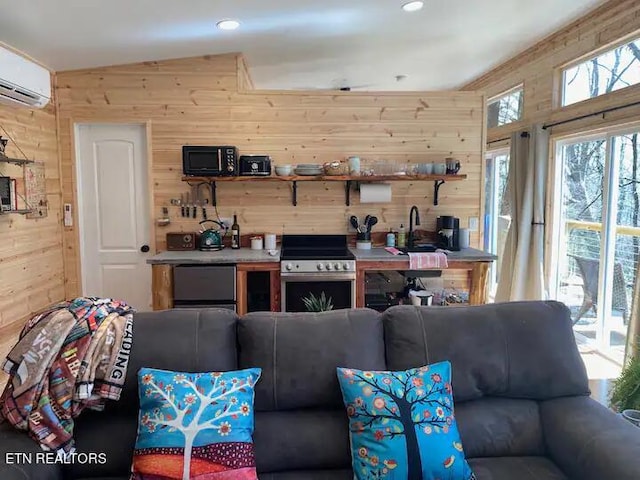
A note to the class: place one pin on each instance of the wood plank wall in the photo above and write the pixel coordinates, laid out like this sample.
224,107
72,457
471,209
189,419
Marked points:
538,69
208,101
31,267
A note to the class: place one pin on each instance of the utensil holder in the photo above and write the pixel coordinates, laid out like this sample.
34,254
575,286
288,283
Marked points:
363,236
363,245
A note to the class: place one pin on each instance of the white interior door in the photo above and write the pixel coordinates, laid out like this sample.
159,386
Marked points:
113,212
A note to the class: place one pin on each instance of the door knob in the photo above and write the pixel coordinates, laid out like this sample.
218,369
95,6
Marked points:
144,248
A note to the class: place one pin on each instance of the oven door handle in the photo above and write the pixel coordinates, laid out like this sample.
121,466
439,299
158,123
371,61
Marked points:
317,277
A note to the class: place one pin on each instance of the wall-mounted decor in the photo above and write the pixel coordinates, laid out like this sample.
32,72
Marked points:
36,190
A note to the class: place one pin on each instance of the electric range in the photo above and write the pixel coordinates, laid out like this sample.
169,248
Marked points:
316,253
317,267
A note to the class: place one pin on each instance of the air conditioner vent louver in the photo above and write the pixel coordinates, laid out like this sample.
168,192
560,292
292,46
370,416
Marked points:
12,100
23,82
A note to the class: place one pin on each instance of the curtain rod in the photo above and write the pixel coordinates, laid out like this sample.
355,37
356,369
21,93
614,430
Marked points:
582,117
575,119
523,135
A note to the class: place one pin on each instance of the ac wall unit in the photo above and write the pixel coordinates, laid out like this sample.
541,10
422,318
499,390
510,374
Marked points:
23,82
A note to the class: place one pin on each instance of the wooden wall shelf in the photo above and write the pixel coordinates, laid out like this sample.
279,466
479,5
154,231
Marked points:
438,181
15,161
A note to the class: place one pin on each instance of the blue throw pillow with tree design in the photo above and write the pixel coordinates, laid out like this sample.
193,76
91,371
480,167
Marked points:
195,425
402,425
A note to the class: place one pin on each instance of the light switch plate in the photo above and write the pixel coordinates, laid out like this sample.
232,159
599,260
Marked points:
473,224
68,215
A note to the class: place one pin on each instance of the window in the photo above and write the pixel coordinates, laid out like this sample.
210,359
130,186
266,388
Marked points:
505,109
609,71
497,214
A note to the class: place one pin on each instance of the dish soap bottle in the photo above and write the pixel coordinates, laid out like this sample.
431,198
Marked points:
391,239
235,233
402,237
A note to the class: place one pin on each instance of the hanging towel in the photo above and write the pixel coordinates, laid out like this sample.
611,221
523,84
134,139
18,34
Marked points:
430,260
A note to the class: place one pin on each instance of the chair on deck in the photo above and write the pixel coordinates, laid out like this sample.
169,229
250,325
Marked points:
589,271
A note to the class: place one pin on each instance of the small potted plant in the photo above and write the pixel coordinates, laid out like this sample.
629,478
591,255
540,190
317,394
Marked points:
625,396
317,304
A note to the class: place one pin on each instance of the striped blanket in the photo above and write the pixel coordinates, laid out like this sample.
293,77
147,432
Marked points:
72,356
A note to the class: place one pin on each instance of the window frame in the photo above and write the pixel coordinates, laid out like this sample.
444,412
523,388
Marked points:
500,96
490,231
558,91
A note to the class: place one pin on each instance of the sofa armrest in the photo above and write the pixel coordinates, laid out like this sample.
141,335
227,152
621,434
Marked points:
588,441
21,467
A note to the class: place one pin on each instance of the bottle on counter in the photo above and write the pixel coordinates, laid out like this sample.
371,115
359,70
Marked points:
235,233
402,237
391,239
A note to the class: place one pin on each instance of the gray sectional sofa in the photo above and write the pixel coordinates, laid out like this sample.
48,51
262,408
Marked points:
520,387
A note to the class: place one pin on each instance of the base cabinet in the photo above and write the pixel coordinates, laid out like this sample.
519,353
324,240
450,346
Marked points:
258,284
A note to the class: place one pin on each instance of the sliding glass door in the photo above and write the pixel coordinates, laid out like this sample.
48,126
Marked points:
597,234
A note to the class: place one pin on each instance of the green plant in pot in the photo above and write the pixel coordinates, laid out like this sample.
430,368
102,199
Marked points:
321,303
625,395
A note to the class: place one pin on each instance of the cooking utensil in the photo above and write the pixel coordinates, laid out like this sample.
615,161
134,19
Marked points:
188,204
182,204
367,219
354,222
372,221
194,190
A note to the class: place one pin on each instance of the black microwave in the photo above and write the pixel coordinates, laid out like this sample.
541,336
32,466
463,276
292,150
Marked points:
210,161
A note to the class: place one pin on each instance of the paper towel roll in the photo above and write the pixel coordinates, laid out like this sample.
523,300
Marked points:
463,236
375,193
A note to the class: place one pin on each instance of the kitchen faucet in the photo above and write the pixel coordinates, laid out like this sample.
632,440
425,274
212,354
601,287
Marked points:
410,237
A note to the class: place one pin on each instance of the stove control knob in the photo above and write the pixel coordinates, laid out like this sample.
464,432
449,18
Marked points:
329,266
289,266
345,266
320,266
336,266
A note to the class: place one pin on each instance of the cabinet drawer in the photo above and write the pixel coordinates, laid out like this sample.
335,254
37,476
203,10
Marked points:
204,283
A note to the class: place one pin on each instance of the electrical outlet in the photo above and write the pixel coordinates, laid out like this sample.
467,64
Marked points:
227,222
473,224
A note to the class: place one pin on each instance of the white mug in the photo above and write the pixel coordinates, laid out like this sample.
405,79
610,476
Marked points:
256,243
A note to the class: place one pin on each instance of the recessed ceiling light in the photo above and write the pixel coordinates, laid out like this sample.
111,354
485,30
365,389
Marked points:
228,24
412,6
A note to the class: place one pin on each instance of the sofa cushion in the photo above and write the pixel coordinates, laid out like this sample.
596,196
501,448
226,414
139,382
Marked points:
299,353
402,423
122,477
113,433
301,439
515,468
495,427
182,340
491,348
346,474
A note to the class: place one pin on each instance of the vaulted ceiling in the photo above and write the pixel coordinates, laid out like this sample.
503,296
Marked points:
288,44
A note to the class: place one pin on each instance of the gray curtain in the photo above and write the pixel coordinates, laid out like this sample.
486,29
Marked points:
522,272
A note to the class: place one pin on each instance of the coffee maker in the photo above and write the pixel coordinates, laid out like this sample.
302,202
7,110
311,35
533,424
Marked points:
448,231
